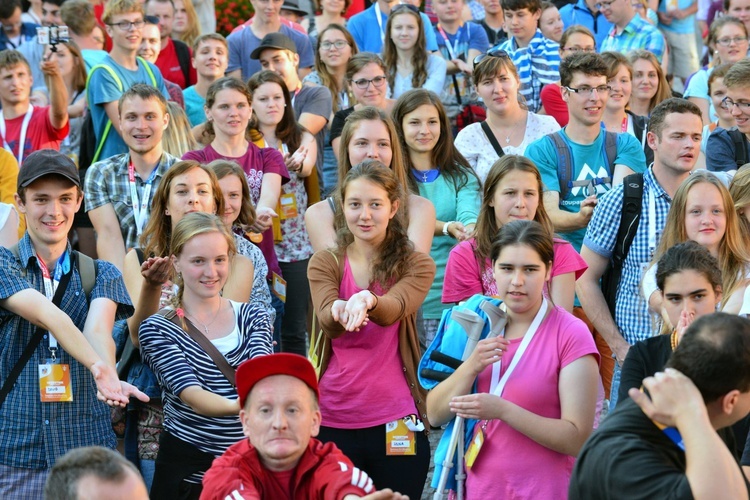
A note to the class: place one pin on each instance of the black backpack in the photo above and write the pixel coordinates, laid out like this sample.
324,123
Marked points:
740,147
565,162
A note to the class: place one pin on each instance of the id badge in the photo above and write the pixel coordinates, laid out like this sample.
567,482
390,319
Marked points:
399,440
54,383
279,287
288,204
477,440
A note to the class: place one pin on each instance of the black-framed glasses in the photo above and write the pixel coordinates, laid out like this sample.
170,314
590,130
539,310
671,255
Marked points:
338,44
729,104
128,25
403,6
604,5
492,53
576,50
587,91
363,83
727,41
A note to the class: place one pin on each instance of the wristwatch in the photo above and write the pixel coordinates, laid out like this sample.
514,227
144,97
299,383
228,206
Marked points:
445,227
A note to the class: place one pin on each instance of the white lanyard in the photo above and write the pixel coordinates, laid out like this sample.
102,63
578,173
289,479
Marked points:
24,129
651,223
50,286
452,48
140,210
498,384
378,15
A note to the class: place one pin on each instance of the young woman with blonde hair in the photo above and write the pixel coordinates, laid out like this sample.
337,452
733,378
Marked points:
650,86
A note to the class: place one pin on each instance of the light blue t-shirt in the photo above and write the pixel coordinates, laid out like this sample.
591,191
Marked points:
589,162
103,88
194,103
685,25
367,33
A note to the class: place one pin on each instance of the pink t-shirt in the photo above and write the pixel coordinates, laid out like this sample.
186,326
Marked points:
511,465
364,384
463,278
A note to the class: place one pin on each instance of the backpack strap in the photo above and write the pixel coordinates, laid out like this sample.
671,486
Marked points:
610,151
183,57
108,126
740,147
87,268
629,220
493,140
564,163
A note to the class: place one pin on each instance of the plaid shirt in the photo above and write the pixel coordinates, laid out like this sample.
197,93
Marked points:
631,312
638,34
33,435
538,64
107,182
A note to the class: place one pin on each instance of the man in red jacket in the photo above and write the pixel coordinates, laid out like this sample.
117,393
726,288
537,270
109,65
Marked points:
281,459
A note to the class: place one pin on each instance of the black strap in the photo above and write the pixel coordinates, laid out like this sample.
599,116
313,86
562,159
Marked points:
740,147
28,352
492,139
218,358
183,57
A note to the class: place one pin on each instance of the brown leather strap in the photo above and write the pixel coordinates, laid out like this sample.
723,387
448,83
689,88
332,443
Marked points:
195,334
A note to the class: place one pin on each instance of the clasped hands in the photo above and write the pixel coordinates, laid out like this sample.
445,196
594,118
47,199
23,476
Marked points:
352,314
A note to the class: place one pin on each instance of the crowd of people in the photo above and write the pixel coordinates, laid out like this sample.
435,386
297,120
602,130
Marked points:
246,262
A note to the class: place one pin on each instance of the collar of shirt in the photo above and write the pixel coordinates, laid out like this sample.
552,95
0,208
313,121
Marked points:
650,182
161,168
26,253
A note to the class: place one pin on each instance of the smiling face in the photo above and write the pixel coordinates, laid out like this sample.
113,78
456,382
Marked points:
622,87
500,91
741,10
586,108
279,418
283,63
372,95
190,192
268,104
577,42
332,56
741,114
231,188
125,40
645,79
51,203
421,129
142,124
688,290
705,218
164,12
230,113
551,24
335,7
372,141
717,94
521,24
404,30
368,210
516,197
203,264
520,275
150,43
211,59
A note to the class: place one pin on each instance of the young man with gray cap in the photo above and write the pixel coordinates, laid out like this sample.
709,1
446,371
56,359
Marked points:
281,459
49,403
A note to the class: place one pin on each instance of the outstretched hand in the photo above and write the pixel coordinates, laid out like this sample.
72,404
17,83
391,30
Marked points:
112,390
156,270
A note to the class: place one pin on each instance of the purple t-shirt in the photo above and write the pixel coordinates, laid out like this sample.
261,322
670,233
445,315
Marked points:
255,163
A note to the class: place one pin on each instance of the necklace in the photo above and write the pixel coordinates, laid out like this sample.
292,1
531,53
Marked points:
425,176
673,339
205,326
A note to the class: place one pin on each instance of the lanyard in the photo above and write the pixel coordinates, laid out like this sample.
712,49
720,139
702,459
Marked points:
651,224
50,287
496,386
140,210
379,16
24,129
452,48
624,126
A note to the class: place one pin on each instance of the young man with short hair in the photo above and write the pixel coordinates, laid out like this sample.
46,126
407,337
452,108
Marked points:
174,56
119,190
537,59
664,442
25,128
368,27
210,60
722,148
312,104
493,22
586,13
124,20
150,50
52,407
78,16
674,134
14,31
629,31
263,466
267,20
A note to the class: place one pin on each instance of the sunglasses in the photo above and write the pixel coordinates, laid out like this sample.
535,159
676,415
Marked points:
492,53
404,6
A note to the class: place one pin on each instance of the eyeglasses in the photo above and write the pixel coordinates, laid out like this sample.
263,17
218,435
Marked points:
727,103
576,50
492,53
587,91
128,25
726,42
604,5
403,6
363,83
339,44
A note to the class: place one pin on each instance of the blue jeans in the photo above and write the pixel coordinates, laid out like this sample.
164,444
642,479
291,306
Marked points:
278,305
147,471
615,386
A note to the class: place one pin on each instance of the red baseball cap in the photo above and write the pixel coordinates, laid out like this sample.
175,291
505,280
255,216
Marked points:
254,370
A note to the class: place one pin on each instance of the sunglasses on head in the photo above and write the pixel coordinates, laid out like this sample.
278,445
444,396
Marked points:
404,6
492,53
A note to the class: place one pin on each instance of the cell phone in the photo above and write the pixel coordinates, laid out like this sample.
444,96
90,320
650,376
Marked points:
52,35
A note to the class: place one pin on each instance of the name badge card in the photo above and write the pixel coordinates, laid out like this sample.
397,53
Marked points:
54,383
288,204
399,440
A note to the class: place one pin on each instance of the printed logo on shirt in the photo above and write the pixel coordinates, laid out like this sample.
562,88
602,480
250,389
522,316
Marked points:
587,173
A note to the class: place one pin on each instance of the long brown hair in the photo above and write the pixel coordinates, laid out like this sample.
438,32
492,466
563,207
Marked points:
224,83
393,253
663,91
445,156
157,234
223,168
487,228
419,55
288,130
326,78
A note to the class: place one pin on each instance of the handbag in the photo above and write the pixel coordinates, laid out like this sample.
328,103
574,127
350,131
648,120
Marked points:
320,345
470,113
